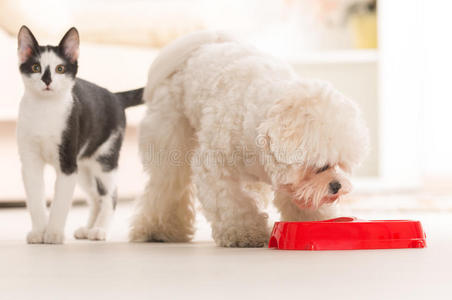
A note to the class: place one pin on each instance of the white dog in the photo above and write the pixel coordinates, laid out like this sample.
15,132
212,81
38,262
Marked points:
221,115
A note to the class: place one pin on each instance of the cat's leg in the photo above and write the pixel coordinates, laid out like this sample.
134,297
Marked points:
64,190
94,209
33,178
292,213
233,213
104,205
88,184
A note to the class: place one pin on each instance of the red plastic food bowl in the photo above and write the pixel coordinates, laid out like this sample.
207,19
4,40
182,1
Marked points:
347,234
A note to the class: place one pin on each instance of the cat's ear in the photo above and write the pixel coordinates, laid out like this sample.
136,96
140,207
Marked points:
69,44
27,44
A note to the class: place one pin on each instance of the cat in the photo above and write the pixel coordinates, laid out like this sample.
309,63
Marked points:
76,127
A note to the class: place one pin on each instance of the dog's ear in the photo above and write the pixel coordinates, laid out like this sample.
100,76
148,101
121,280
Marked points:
284,131
315,125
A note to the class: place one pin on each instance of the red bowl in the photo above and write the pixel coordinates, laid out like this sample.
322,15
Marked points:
347,234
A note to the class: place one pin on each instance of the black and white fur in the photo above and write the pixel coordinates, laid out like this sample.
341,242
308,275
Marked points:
76,127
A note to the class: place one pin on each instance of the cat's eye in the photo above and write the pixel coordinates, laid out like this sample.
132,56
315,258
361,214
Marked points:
36,68
322,169
60,69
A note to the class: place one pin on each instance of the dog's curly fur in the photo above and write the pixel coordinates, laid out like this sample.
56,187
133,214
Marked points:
221,116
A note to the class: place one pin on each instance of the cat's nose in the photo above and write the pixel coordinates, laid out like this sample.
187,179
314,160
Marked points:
47,77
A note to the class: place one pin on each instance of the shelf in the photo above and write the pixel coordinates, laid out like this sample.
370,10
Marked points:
353,56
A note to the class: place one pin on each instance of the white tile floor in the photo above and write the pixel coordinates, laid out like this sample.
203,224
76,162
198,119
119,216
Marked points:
200,270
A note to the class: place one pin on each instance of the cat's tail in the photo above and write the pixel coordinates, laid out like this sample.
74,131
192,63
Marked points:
130,98
176,53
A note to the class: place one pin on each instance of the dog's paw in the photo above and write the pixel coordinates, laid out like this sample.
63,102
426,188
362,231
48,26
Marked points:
35,237
96,234
53,237
138,236
139,231
81,233
242,237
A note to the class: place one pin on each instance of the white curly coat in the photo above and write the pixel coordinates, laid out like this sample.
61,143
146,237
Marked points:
223,122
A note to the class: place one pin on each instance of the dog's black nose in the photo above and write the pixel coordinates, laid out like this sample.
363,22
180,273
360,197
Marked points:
335,186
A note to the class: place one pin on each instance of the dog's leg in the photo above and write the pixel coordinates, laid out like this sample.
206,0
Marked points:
165,210
234,215
292,213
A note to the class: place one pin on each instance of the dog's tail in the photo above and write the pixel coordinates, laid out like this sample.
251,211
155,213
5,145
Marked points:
175,54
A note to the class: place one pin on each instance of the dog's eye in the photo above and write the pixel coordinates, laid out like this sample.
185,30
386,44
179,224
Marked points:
324,168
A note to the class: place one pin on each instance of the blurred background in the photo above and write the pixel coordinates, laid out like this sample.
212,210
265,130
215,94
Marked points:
389,56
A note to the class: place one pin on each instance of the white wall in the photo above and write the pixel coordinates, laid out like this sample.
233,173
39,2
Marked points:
435,43
416,98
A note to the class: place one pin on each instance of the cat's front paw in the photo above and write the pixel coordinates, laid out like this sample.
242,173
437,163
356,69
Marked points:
81,233
53,237
97,234
35,236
